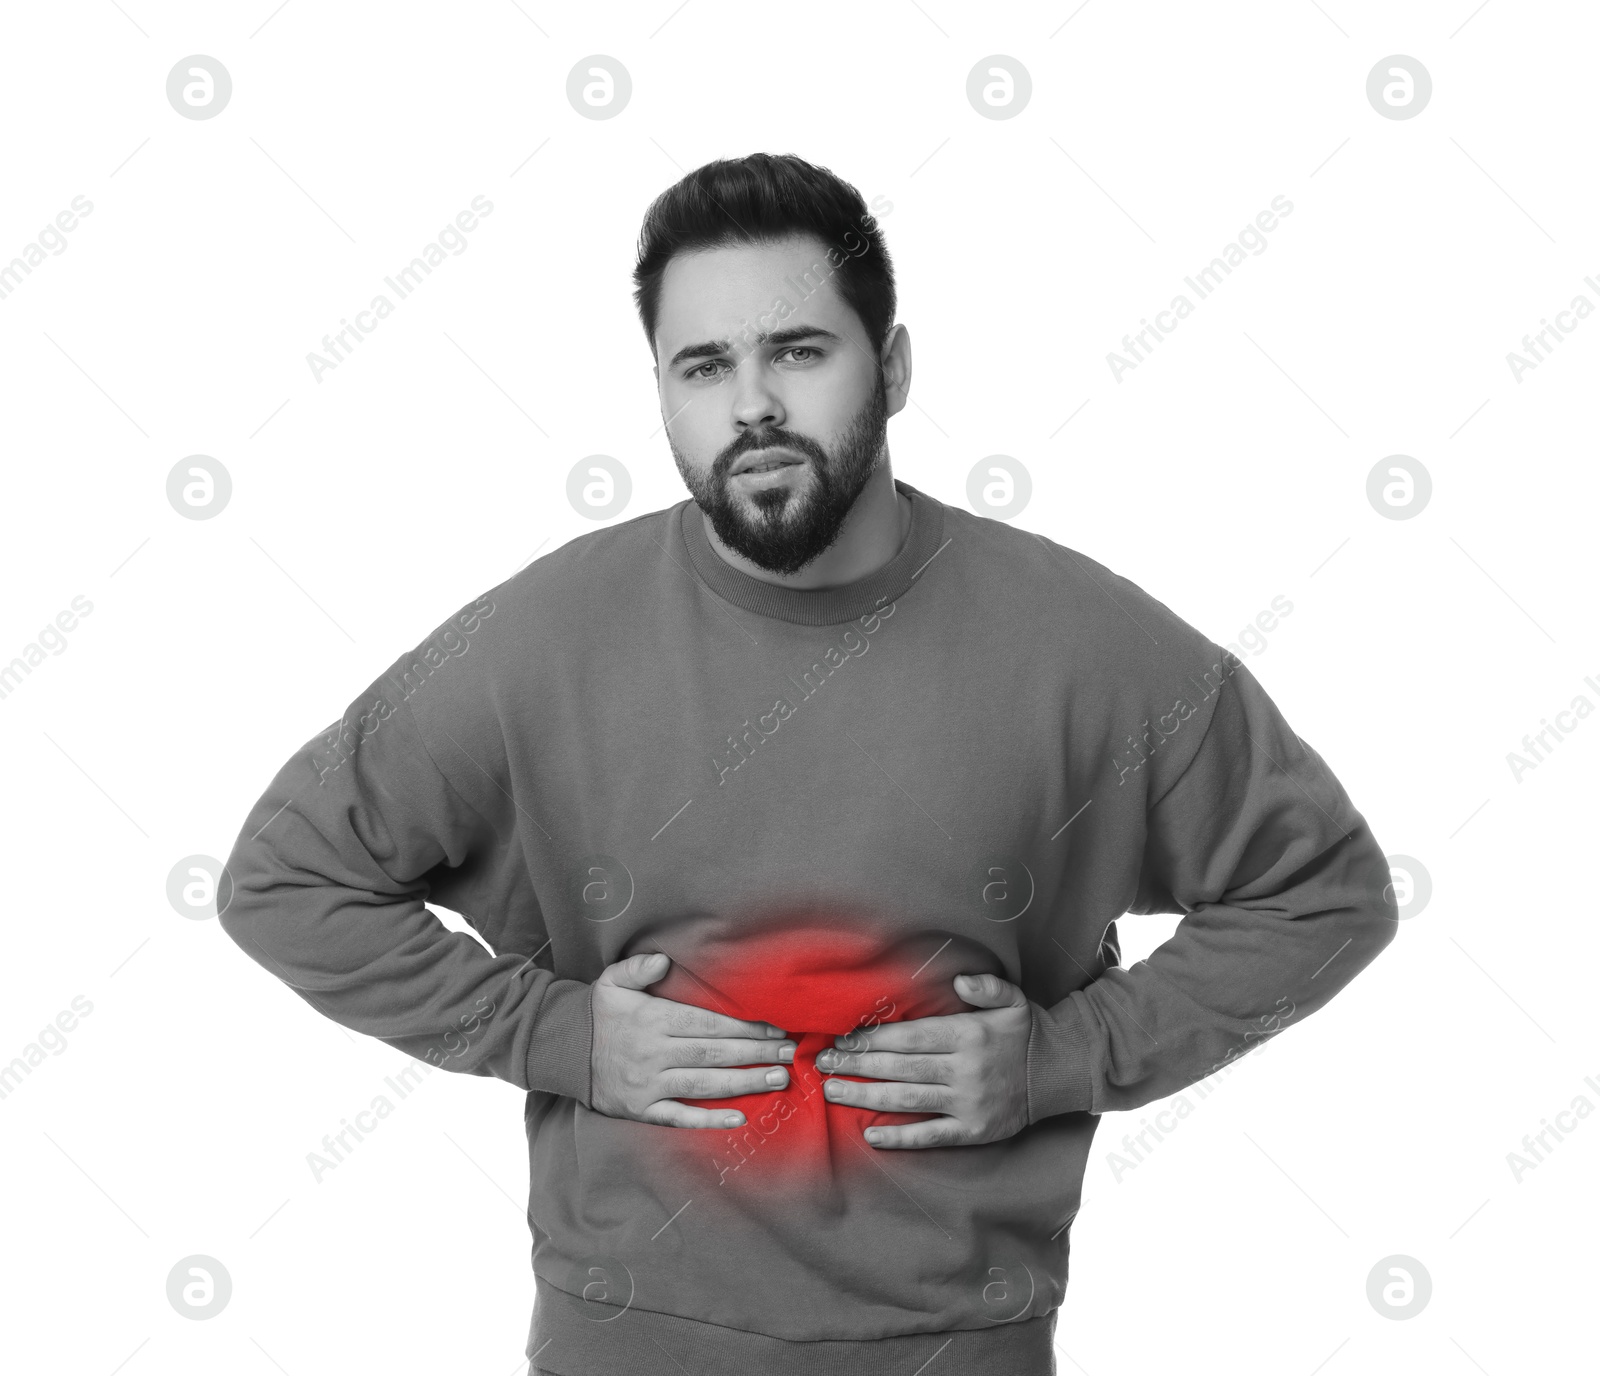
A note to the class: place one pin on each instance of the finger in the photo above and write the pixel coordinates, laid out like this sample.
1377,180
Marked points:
684,1053
636,972
988,991
685,1020
887,1065
668,1113
935,1132
888,1098
919,1034
721,1084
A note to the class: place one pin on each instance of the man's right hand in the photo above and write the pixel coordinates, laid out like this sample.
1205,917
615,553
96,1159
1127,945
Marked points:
649,1052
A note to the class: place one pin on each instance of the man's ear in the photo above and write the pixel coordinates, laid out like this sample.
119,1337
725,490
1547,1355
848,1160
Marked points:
895,360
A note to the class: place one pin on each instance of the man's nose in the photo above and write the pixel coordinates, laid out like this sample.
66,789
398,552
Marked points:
756,401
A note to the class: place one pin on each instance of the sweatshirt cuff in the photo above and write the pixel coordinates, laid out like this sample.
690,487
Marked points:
1060,1073
559,1049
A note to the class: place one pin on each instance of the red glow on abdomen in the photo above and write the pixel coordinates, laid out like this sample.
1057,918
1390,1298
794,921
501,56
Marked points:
816,983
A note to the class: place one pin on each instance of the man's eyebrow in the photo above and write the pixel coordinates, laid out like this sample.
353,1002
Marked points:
715,348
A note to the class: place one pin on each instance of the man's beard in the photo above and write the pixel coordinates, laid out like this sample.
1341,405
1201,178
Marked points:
790,528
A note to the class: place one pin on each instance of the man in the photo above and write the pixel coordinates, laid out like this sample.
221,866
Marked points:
797,818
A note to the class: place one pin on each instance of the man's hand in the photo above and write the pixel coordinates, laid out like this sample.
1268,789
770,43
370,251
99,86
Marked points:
970,1067
650,1052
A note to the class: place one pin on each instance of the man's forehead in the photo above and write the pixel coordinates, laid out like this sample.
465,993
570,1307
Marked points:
714,293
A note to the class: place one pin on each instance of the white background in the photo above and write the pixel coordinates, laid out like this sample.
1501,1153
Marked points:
1228,469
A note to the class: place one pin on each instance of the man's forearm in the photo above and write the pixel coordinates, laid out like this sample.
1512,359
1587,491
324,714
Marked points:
328,895
1285,895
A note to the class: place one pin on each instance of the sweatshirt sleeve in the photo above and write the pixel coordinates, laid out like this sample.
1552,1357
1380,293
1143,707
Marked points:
1285,896
330,875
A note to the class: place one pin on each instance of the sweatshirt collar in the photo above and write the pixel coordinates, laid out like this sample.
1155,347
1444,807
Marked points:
818,606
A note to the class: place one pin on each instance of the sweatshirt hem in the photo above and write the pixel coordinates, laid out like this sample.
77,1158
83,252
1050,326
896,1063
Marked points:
570,1336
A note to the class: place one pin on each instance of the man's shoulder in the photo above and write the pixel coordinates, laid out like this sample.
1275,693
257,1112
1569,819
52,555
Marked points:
555,599
614,552
1062,591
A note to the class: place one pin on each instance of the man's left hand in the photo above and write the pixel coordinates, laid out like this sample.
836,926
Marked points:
971,1068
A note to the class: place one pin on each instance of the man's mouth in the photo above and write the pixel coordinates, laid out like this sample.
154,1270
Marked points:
763,461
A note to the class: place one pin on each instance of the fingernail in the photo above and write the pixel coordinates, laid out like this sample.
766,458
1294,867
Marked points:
777,1077
826,1060
775,1031
786,1053
732,1120
874,1136
831,1088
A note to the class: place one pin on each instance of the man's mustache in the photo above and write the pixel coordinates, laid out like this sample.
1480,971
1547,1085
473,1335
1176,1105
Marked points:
754,441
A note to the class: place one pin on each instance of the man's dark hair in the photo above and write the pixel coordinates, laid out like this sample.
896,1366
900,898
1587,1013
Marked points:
761,199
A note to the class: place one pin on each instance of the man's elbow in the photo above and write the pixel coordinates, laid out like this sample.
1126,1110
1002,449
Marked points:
1375,907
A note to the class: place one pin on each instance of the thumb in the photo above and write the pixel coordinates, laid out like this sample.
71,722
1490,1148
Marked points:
989,991
636,972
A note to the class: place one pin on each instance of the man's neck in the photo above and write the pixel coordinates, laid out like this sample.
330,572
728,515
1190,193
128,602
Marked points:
872,534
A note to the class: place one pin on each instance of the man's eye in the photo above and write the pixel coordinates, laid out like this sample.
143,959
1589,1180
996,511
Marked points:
700,372
802,349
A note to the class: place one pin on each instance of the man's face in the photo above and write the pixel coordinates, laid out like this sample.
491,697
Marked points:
775,400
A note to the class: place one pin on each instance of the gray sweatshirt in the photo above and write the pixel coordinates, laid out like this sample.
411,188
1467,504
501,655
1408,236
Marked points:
822,806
